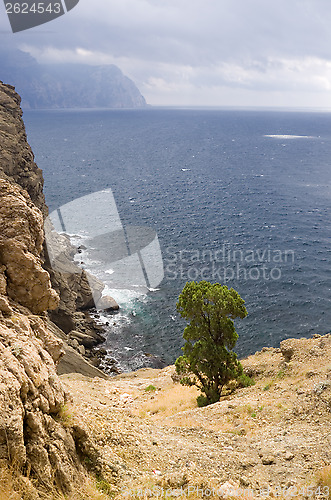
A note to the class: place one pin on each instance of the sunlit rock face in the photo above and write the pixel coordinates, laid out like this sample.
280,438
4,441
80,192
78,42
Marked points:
33,437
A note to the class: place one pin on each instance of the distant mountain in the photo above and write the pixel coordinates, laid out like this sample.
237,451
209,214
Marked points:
67,85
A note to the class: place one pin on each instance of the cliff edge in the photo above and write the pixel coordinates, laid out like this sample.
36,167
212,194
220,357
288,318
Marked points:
33,439
17,167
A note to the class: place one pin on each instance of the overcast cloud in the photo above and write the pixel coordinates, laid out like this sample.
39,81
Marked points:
198,52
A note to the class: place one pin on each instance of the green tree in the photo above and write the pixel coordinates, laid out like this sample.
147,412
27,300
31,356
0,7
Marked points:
208,361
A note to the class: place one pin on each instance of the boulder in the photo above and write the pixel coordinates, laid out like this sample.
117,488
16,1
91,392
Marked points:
83,339
107,303
287,348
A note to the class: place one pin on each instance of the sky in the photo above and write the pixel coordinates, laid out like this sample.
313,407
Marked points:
197,52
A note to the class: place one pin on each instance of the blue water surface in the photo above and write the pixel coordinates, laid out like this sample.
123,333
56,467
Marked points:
240,197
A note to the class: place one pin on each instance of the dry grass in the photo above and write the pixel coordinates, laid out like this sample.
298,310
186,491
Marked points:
324,480
65,416
169,401
15,487
7,491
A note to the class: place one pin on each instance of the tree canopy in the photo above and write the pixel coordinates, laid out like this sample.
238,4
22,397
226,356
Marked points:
208,360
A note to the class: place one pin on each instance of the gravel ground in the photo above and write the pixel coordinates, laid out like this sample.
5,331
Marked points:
275,434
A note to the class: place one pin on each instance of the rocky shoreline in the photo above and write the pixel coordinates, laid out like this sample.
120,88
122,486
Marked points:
76,314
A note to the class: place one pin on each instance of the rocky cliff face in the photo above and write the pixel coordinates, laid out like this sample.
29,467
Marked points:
67,86
17,166
16,158
82,86
33,436
22,276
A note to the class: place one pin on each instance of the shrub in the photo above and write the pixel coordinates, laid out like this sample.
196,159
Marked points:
150,388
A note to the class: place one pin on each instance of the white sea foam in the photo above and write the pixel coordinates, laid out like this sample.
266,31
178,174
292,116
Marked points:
124,297
88,263
75,236
290,136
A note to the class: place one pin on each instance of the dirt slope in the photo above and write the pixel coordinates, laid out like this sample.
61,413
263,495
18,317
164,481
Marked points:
271,435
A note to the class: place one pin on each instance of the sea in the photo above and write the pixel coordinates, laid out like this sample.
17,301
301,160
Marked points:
238,197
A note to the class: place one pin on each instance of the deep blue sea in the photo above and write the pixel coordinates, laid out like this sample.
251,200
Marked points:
238,197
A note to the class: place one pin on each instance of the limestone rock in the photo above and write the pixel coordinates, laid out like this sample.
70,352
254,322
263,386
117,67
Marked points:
31,395
20,246
16,158
83,339
53,345
175,481
268,460
81,350
57,86
3,281
107,303
22,222
33,435
301,350
28,282
4,306
287,349
228,489
20,219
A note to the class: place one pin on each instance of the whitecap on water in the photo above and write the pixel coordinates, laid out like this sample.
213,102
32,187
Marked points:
125,297
278,136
